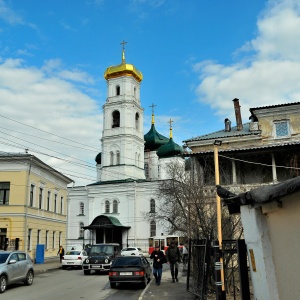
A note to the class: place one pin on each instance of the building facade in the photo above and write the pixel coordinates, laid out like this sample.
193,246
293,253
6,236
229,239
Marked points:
129,171
33,202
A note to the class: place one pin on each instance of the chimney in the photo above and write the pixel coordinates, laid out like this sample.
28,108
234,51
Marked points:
227,124
237,111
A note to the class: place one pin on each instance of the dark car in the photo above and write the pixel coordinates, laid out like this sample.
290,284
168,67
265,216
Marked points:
100,258
130,269
15,266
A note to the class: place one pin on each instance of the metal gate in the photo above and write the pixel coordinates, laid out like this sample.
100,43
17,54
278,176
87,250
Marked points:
198,261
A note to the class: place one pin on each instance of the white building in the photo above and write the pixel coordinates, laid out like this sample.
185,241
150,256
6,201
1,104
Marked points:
129,170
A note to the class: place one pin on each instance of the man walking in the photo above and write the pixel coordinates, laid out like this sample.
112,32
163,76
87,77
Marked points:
173,258
158,260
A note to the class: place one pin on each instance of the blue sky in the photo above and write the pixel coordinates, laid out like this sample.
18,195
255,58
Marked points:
196,56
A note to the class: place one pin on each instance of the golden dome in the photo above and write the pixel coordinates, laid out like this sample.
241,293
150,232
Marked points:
123,70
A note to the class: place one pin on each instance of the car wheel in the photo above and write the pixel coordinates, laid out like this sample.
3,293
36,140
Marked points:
87,272
3,284
29,278
113,285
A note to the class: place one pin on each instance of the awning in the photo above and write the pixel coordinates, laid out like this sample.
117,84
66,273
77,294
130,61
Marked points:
105,222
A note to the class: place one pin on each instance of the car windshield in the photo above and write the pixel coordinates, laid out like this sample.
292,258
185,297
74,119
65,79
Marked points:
127,261
102,250
3,257
73,253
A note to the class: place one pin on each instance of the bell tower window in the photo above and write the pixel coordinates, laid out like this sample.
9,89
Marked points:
118,90
115,119
111,158
137,121
118,157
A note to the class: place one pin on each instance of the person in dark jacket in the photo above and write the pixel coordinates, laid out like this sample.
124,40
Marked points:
158,260
61,253
173,258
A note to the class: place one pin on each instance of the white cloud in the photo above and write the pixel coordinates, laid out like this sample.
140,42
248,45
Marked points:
49,104
269,71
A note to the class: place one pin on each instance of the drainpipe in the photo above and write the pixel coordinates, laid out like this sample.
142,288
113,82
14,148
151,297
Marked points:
26,205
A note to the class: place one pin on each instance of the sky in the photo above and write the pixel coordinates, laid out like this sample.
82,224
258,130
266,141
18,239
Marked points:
196,56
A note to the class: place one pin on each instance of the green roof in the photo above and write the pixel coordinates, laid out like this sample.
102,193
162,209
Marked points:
154,140
169,150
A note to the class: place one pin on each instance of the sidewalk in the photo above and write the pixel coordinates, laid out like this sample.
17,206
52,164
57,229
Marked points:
47,266
167,289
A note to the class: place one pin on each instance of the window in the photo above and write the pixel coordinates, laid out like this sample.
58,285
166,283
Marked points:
55,202
59,238
53,240
29,239
81,230
281,129
46,239
137,121
107,207
81,208
31,195
152,206
48,200
38,236
115,206
115,119
61,204
152,228
118,90
111,158
4,192
134,92
40,198
118,157
146,168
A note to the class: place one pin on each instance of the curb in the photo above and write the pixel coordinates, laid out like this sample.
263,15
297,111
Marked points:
145,290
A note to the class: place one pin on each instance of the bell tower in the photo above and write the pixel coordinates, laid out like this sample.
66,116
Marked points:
122,137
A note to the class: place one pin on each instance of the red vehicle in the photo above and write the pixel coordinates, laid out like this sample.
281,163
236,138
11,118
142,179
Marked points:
164,241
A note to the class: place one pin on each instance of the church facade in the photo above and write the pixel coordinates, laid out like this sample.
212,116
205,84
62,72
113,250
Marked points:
130,168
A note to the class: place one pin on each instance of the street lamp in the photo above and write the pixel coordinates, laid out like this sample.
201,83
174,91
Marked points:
219,265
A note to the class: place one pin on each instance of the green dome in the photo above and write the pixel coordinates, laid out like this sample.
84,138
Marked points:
154,140
98,158
169,150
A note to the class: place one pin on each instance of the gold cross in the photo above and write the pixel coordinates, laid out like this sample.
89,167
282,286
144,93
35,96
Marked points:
170,122
152,107
123,45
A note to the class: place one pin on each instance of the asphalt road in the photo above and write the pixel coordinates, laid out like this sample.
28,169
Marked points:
70,284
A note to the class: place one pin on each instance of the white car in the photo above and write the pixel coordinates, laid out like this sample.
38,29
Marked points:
131,251
73,258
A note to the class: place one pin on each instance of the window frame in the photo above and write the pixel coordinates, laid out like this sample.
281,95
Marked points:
5,193
276,129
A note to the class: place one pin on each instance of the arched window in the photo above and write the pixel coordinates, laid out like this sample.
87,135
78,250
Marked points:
134,92
152,228
152,206
115,119
115,206
118,90
137,121
81,208
107,207
81,230
146,168
111,158
118,158
138,159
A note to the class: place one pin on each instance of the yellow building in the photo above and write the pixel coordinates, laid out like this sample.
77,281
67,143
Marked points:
33,204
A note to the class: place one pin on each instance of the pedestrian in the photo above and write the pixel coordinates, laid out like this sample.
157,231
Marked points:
61,253
173,257
158,259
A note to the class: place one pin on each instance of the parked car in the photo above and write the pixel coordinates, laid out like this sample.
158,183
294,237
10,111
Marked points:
73,258
15,266
100,258
131,251
130,269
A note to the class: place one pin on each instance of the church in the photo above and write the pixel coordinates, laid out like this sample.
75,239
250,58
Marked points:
130,168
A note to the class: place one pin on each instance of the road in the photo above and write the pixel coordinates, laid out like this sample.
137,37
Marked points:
71,284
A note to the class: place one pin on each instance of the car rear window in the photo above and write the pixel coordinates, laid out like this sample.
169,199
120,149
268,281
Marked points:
3,257
73,253
126,261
